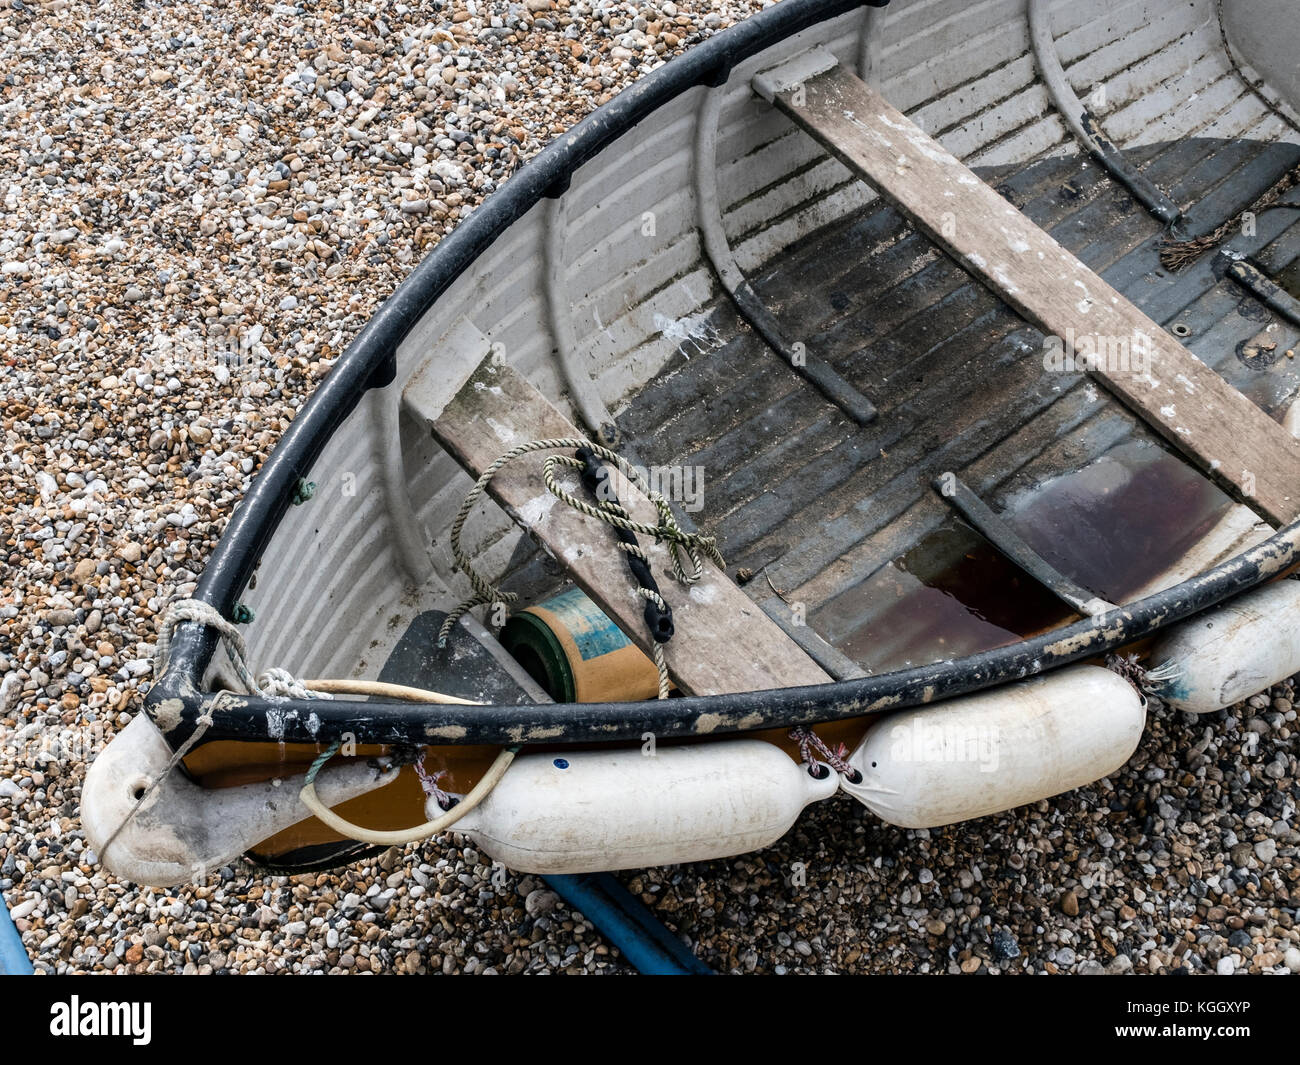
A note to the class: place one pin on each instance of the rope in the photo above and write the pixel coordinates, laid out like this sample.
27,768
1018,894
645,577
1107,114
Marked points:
280,682
303,491
685,549
810,743
273,683
661,665
276,682
1177,254
1145,681
658,614
397,838
383,690
429,782
320,761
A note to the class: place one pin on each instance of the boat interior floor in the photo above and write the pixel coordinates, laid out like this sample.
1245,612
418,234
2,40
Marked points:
840,524
837,530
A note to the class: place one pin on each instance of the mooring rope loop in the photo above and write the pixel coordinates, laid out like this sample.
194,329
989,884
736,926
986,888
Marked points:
274,683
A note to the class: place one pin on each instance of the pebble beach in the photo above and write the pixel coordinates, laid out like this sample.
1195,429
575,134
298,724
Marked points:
178,180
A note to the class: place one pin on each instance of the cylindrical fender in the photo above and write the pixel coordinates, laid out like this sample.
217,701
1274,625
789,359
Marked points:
592,811
1227,654
981,754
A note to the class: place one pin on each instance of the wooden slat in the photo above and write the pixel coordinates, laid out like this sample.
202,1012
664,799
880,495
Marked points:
723,643
1218,428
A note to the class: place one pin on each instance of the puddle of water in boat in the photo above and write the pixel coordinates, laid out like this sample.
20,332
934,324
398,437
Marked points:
1118,522
1288,278
951,595
1111,527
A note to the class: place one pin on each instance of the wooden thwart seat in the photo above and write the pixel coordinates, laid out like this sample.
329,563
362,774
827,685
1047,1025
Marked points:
1188,403
723,642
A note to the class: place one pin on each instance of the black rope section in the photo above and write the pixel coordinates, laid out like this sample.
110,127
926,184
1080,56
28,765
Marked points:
597,479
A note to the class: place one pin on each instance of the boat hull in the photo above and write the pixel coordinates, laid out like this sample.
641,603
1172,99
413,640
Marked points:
600,273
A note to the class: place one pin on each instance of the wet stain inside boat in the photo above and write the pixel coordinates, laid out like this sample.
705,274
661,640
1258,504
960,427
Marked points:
1108,526
1288,279
952,594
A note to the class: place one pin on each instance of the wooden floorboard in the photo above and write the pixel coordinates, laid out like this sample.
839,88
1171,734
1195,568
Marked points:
871,295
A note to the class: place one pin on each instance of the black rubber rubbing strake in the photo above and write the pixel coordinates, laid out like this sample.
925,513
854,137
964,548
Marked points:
243,718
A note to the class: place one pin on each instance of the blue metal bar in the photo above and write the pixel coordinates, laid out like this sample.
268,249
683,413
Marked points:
13,957
621,918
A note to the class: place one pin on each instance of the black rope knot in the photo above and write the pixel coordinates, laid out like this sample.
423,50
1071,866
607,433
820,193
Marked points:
596,479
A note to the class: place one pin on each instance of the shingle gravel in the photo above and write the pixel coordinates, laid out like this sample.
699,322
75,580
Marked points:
187,188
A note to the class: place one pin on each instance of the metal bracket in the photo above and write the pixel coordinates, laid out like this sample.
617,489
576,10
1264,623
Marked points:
1084,125
717,248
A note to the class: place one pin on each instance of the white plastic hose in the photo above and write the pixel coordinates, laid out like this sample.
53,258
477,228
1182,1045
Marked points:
392,691
398,837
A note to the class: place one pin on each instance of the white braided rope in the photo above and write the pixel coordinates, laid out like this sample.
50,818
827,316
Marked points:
274,683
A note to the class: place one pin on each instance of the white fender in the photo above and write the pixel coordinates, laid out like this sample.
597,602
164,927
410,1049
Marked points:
183,831
981,754
1229,653
591,811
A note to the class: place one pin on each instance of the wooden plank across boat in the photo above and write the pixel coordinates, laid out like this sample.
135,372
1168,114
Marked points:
723,642
868,356
1189,404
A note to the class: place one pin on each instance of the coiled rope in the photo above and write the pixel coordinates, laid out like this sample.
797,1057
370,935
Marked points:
685,549
274,682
